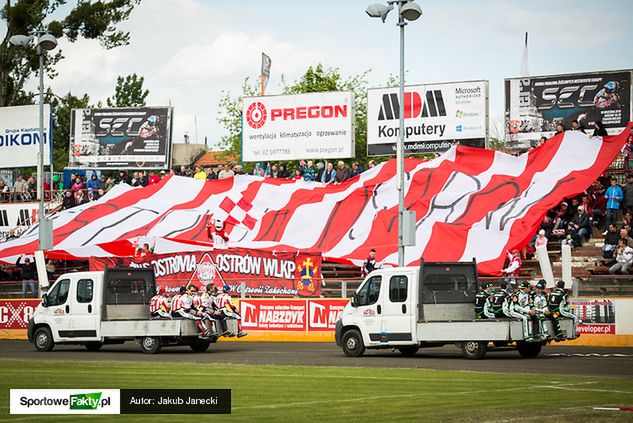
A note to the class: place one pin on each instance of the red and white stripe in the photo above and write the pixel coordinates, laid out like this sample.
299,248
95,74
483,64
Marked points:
469,203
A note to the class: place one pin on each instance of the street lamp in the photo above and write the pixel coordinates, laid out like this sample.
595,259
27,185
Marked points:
44,42
407,11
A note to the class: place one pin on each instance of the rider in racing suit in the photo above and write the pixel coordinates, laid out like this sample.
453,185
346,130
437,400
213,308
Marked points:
559,306
159,305
483,303
521,308
540,301
183,307
228,309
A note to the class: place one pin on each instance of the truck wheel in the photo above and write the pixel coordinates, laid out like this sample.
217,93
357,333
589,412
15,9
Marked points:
529,349
150,344
43,339
409,350
474,350
353,345
93,346
200,346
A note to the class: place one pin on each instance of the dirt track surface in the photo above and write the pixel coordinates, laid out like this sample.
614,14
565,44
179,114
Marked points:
594,361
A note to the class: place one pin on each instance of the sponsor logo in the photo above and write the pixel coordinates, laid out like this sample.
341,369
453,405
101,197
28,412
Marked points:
256,115
64,401
413,105
119,126
85,401
15,315
369,312
559,97
462,114
459,128
324,316
474,92
249,314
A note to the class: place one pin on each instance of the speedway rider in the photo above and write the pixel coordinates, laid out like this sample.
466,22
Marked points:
159,305
483,302
559,306
227,309
521,308
540,301
182,306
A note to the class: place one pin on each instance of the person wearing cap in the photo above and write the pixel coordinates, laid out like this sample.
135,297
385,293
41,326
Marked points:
483,304
499,302
521,308
539,302
558,305
514,267
580,226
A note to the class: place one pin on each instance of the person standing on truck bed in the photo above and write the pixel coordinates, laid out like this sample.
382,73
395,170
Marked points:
559,306
370,264
514,267
483,302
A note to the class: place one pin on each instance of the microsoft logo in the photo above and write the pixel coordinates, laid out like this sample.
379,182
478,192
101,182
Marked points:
459,128
85,401
459,114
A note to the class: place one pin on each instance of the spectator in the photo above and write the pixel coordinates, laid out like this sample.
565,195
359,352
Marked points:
356,169
273,171
11,235
238,170
200,175
560,129
29,275
372,163
329,175
624,235
77,186
575,126
309,172
320,169
135,182
225,172
626,153
108,185
627,191
547,224
20,188
93,183
69,200
580,226
613,195
143,179
153,178
124,178
283,173
624,258
342,173
31,187
172,172
4,191
541,241
258,170
163,174
610,242
541,141
599,129
297,176
100,193
81,197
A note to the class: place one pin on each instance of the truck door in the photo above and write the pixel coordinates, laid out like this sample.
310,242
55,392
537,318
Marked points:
396,319
85,316
57,313
369,310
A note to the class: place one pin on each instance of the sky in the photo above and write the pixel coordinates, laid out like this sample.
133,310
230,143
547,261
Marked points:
190,51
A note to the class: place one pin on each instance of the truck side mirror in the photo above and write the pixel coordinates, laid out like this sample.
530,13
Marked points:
354,301
45,300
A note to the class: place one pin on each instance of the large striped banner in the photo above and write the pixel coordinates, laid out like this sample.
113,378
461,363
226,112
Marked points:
469,203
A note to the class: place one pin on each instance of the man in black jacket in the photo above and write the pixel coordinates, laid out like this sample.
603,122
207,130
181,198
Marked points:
580,226
29,276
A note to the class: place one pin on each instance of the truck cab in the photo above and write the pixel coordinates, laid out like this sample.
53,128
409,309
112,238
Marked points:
407,308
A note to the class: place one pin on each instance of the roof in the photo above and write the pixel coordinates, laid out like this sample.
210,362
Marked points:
214,158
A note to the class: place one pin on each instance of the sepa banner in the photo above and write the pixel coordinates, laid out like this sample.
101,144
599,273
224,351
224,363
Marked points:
436,117
293,127
534,105
264,273
123,138
20,135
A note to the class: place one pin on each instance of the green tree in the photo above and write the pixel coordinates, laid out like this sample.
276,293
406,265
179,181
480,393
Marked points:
84,19
62,108
128,92
230,116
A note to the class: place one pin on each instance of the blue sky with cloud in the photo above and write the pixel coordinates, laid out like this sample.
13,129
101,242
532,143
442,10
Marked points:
190,50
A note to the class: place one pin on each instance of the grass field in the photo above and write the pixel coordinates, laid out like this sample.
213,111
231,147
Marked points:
301,393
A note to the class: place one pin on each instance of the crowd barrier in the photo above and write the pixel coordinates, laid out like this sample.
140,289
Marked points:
605,322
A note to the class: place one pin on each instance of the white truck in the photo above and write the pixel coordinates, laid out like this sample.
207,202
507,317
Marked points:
109,307
432,305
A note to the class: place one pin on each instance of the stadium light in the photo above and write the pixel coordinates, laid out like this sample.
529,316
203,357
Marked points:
45,42
407,11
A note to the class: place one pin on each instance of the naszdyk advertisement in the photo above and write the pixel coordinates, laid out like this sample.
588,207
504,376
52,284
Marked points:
263,273
293,127
535,105
291,315
20,136
436,117
122,138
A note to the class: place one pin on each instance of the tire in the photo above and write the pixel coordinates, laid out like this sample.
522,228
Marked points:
352,344
93,346
474,350
151,344
529,349
199,346
409,350
43,339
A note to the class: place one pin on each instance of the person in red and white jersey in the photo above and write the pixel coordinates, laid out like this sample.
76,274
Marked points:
218,235
209,310
224,303
159,305
513,269
182,306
